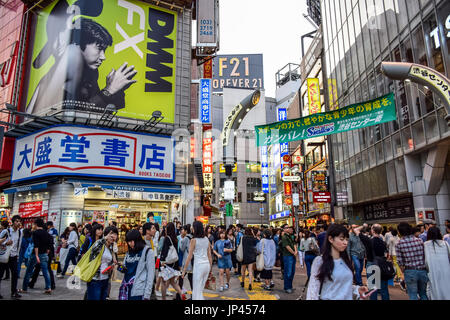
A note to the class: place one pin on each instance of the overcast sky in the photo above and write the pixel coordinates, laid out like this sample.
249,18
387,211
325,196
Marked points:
272,28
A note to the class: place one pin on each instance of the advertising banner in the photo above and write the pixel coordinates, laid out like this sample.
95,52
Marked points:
392,209
313,95
352,117
75,150
88,54
204,96
321,197
206,22
244,71
333,94
207,165
207,69
33,209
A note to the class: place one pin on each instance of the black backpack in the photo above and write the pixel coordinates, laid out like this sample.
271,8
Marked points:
387,269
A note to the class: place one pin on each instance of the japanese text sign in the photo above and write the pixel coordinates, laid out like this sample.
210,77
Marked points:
74,150
33,209
313,95
204,97
352,117
264,169
207,165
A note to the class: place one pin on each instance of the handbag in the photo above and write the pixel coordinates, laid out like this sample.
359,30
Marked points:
240,252
260,259
172,256
387,270
5,251
29,250
211,282
314,247
86,269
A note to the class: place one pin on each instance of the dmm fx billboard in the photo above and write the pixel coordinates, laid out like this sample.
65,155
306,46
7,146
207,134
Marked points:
88,54
352,117
85,151
243,71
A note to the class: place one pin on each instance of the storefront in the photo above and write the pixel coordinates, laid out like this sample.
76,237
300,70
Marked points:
279,219
5,209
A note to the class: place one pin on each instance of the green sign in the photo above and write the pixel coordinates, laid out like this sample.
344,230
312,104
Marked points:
229,209
88,54
352,117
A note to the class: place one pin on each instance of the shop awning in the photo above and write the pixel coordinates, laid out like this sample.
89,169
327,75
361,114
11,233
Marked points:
175,189
29,187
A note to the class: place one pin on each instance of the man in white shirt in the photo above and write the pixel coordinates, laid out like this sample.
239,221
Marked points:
14,234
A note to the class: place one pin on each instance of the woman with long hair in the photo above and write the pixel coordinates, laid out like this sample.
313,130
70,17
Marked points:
232,238
200,249
63,249
249,256
332,273
72,245
170,270
437,256
301,248
311,251
138,269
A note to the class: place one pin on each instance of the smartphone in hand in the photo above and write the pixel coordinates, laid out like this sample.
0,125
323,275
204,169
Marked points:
369,293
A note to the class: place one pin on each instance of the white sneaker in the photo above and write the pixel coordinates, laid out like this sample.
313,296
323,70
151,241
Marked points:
158,293
221,289
169,293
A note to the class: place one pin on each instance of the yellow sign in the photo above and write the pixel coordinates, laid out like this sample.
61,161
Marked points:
435,79
313,95
333,94
222,168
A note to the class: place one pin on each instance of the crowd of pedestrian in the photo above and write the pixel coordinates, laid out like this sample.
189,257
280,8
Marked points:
162,256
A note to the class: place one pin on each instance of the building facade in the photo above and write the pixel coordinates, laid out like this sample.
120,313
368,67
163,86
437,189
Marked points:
396,171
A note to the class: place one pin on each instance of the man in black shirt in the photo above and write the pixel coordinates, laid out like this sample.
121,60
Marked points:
377,249
42,243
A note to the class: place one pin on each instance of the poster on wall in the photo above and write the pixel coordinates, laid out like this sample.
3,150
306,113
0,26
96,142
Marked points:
88,54
54,216
69,216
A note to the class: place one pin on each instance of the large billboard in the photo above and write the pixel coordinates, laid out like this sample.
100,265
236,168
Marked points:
244,71
88,54
86,151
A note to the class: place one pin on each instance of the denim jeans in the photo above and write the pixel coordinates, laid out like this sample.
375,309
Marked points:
30,268
97,289
309,258
289,271
416,284
358,264
383,291
71,257
19,263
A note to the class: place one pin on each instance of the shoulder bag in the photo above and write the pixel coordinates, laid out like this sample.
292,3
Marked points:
240,252
5,250
172,256
260,258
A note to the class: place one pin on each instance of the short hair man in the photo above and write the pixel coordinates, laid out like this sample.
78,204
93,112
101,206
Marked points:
411,259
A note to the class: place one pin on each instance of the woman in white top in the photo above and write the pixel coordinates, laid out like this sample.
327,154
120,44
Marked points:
332,273
200,248
97,288
437,256
72,245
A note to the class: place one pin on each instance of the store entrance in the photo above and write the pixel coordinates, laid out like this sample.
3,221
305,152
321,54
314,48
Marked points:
128,214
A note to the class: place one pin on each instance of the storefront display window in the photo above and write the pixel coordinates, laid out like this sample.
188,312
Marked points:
433,43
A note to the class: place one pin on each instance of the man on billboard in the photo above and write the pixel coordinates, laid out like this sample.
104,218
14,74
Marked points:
76,70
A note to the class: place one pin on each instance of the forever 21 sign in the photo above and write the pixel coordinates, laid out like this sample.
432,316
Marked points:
238,71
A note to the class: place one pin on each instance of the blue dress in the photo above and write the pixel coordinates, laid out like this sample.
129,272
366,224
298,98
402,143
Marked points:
225,261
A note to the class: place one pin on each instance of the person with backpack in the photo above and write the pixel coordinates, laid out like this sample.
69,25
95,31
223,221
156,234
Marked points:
238,237
311,251
72,245
86,234
186,238
332,272
232,239
379,251
248,256
169,263
138,269
356,251
12,236
95,233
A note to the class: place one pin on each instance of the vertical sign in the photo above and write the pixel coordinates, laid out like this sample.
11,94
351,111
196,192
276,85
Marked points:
333,94
206,22
313,95
205,100
284,147
207,164
264,169
207,69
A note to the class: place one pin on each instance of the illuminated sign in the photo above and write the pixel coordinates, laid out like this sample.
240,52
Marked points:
207,165
313,95
204,96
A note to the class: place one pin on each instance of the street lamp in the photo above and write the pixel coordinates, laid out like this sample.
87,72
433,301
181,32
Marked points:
259,196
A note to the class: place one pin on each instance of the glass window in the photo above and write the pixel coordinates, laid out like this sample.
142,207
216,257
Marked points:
379,152
413,8
366,34
401,175
443,13
363,138
402,103
402,14
372,157
391,20
350,143
388,148
418,134
338,15
397,144
391,177
431,127
420,56
408,144
345,144
333,24
356,141
406,51
365,159
343,11
432,38
372,86
358,163
374,24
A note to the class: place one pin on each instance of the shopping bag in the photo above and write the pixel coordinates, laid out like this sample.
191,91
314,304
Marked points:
240,252
5,251
260,259
211,282
86,269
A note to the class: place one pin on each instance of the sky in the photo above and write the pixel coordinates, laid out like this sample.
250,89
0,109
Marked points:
270,27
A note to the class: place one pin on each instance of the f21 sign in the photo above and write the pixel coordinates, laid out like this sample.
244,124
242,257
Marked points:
244,71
